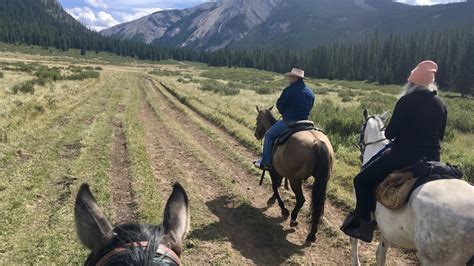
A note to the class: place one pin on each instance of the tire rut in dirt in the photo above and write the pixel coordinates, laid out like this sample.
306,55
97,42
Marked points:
123,201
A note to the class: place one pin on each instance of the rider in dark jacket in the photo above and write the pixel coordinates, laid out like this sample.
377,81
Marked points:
295,104
417,127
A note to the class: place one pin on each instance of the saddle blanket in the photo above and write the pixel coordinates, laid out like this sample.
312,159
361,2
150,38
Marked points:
294,128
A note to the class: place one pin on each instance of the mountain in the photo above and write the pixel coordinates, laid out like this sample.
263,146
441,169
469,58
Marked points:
212,25
287,23
45,23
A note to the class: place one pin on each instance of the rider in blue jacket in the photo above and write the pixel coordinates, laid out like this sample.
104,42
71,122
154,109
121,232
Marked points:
295,104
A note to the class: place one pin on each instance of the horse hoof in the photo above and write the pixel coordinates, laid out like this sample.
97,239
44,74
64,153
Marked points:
285,212
293,223
311,238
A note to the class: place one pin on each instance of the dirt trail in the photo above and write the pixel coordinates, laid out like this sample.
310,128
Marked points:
254,229
124,205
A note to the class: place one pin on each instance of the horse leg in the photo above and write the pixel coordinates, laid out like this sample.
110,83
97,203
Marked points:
382,251
296,187
355,251
276,183
272,199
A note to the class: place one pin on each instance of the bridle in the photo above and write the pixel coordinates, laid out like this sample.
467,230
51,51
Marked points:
362,144
163,255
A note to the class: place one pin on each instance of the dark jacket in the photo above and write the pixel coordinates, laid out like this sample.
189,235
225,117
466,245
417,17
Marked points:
418,122
296,102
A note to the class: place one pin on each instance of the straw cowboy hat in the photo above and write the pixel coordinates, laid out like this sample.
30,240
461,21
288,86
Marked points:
295,72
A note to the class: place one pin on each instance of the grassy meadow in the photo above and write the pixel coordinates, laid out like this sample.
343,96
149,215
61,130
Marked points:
60,115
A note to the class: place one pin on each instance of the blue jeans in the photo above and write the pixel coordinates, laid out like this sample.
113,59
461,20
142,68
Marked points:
274,132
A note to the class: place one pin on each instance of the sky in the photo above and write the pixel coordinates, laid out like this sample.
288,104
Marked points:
102,14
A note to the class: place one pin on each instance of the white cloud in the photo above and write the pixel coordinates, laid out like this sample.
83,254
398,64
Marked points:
136,13
88,17
97,3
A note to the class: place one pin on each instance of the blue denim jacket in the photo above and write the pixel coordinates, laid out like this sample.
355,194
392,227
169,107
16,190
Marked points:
295,102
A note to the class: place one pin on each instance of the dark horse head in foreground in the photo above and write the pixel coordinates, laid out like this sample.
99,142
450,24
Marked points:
132,244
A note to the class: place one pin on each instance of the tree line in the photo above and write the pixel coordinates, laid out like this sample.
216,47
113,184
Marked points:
383,60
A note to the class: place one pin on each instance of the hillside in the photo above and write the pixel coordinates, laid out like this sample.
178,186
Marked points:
296,23
38,22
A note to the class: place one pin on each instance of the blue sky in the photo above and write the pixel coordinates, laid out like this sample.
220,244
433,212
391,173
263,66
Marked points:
101,14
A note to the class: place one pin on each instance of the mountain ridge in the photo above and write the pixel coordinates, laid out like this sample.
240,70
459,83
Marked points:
287,23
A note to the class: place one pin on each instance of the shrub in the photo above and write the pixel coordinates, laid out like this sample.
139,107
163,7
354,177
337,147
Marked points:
264,90
346,98
23,67
41,81
321,91
84,75
74,69
46,73
25,87
377,102
1,75
219,87
166,73
89,68
98,68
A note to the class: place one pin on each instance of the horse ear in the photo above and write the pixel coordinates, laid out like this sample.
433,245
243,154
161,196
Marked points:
384,116
176,217
258,109
271,108
92,226
366,113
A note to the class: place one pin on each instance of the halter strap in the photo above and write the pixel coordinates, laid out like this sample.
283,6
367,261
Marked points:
162,250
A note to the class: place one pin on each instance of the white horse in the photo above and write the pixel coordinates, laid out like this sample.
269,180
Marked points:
437,221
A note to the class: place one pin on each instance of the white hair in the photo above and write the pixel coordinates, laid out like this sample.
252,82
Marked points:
411,87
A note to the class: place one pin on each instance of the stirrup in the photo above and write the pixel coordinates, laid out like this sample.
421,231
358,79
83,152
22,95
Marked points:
260,166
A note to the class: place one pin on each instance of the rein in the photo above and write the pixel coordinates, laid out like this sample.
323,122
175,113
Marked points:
164,253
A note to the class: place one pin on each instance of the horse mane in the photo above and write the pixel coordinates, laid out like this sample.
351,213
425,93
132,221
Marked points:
131,233
270,117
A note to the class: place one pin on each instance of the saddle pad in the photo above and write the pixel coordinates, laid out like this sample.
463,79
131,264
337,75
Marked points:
285,136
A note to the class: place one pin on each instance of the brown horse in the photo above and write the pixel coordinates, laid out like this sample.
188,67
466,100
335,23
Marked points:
305,154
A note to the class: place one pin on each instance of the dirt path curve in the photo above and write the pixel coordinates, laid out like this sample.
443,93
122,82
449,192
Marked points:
254,229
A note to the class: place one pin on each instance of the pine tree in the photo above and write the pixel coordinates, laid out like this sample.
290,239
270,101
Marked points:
465,78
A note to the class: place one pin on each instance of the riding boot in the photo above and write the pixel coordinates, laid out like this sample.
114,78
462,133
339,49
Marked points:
358,228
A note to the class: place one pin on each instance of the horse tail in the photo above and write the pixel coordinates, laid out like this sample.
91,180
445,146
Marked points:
322,175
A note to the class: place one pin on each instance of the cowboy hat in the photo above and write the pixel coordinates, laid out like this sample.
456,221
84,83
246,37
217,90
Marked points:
296,73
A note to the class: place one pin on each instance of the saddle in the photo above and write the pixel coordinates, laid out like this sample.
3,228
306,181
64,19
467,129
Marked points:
396,189
294,127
